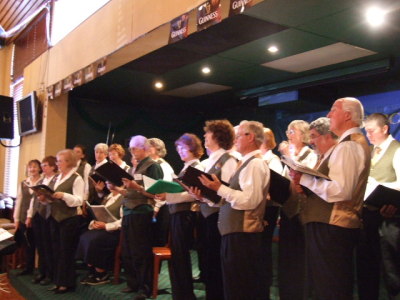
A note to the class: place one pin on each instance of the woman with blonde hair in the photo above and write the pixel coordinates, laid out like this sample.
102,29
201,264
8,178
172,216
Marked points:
291,263
64,221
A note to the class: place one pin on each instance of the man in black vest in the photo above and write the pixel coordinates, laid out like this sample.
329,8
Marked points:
323,141
136,221
385,170
241,217
338,202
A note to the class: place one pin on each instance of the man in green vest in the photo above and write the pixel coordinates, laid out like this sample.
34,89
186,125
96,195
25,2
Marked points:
136,221
381,231
336,225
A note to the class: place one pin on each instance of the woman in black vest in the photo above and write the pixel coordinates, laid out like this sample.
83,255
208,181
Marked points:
23,226
64,222
182,220
41,226
97,246
291,262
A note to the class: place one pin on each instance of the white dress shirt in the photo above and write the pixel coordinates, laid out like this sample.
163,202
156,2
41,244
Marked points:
274,163
112,226
168,172
86,172
45,181
309,161
372,183
346,163
253,180
229,167
173,198
76,198
18,201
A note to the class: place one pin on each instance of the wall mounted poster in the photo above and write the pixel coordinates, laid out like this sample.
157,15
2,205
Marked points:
179,28
239,6
208,14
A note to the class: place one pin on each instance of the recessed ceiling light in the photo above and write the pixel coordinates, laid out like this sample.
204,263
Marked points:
158,85
273,49
375,16
206,70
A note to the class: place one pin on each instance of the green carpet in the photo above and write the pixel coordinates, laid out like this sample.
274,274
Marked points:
109,291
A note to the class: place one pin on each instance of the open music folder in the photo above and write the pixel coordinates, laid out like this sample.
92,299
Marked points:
113,173
159,186
191,178
383,195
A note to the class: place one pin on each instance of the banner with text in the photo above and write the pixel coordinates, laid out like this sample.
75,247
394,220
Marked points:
208,14
179,28
239,6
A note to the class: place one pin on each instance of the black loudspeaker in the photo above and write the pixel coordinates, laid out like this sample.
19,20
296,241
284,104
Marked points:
6,118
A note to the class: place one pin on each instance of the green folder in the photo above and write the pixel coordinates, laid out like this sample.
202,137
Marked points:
163,186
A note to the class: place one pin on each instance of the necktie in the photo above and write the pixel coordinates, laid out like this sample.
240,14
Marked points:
375,156
240,163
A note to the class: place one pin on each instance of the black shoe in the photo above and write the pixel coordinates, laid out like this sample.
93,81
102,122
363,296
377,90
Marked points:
128,290
140,296
37,278
99,279
63,290
45,281
88,277
198,279
53,288
25,272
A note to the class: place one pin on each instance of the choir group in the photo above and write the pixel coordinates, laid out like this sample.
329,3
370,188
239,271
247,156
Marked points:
321,223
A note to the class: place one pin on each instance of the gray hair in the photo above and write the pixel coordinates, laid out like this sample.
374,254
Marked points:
139,141
355,107
159,146
101,147
255,127
321,125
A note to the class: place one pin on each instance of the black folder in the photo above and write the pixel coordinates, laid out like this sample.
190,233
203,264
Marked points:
191,178
383,195
113,173
43,190
279,188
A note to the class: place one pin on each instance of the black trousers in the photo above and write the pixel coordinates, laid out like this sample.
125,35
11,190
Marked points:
329,251
199,244
243,264
213,269
161,227
390,245
368,256
182,225
25,237
271,216
41,229
291,261
137,251
64,239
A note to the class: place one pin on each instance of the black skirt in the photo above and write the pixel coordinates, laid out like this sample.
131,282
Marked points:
97,248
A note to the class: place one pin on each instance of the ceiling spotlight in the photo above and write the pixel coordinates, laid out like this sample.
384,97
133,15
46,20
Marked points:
206,70
375,16
273,49
158,85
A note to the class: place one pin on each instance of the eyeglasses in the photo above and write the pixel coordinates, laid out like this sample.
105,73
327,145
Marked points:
239,135
313,137
290,131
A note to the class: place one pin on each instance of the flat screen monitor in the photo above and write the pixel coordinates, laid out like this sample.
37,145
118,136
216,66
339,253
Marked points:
27,109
